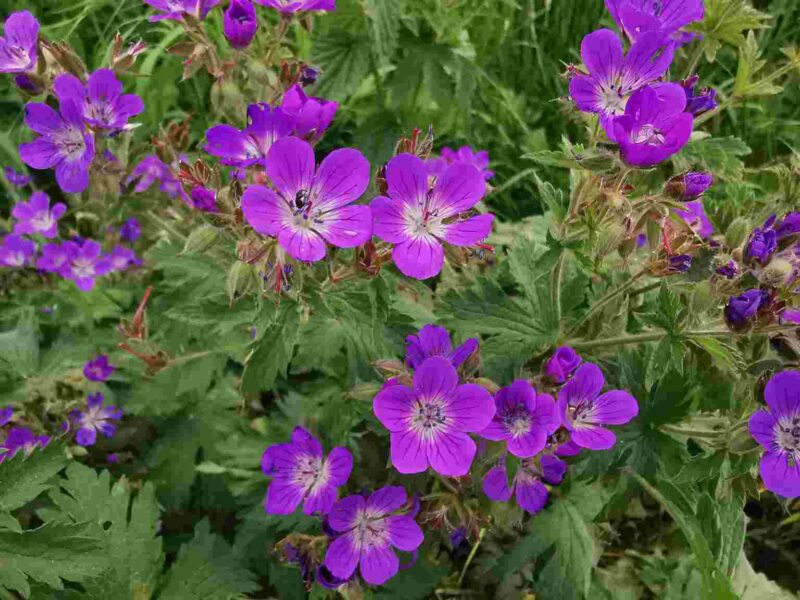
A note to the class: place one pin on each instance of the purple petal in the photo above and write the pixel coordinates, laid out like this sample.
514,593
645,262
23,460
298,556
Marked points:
531,495
302,244
584,385
495,484
264,210
42,119
407,179
451,454
290,166
409,452
495,431
528,444
342,556
762,428
393,406
779,476
378,564
283,497
343,514
320,500
553,469
420,258
458,189
648,59
469,232
340,465
69,88
431,340
39,154
463,352
389,222
546,415
230,144
586,93
86,436
601,52
593,438
782,394
472,409
341,179
305,442
404,533
72,177
346,227
386,500
435,378
616,407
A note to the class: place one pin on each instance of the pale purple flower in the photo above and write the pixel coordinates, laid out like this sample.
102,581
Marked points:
239,23
96,417
121,258
584,410
36,216
562,364
312,116
528,486
16,251
63,144
369,529
53,258
151,169
98,368
696,218
175,9
467,155
293,6
654,126
428,424
247,147
433,340
777,429
130,230
523,419
18,48
204,199
635,17
613,77
5,415
16,178
413,217
85,263
308,208
101,100
301,472
21,438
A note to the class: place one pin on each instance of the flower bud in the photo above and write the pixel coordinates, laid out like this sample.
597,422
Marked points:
742,309
239,23
201,239
688,186
240,280
761,245
562,364
698,101
737,232
776,273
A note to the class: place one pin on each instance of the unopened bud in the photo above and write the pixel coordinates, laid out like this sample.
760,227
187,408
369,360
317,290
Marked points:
240,280
390,367
201,239
776,273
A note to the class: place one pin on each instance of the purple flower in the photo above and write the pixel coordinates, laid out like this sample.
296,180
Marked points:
696,218
84,263
18,49
413,216
635,17
300,471
562,364
729,270
428,424
762,244
369,528
98,368
36,216
531,494
789,225
151,169
584,410
16,178
688,186
238,148
777,429
21,438
204,199
433,340
121,258
613,78
54,257
102,102
175,9
5,415
130,230
679,263
63,144
467,155
700,102
743,308
239,23
311,208
16,251
790,315
293,6
654,126
95,418
568,448
312,116
523,419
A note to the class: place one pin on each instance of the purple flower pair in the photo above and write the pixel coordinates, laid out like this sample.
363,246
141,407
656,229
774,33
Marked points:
36,216
96,418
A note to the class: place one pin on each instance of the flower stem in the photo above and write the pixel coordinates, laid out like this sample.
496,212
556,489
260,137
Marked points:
472,554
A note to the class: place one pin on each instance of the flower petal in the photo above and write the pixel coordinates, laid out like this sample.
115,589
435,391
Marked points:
346,227
340,465
290,166
495,484
230,144
528,444
451,454
409,452
472,408
616,407
420,258
601,52
320,500
553,469
72,177
42,119
264,210
69,88
41,153
762,428
778,476
345,511
302,244
378,564
342,556
586,93
393,407
531,495
436,377
648,59
472,231
283,497
388,220
387,499
342,177
457,190
594,438
407,179
782,394
404,533
546,415
86,436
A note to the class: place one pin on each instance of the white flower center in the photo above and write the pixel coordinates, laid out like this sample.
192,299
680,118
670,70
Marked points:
649,134
42,220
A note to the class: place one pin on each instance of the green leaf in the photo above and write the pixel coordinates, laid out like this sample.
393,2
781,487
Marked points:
271,353
749,65
719,155
23,479
207,569
415,583
726,356
725,22
19,348
750,585
383,24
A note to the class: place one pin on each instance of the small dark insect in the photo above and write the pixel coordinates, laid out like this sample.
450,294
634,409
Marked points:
301,198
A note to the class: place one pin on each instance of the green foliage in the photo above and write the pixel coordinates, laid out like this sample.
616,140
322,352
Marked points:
23,478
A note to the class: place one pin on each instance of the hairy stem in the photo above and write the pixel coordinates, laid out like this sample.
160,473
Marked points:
472,554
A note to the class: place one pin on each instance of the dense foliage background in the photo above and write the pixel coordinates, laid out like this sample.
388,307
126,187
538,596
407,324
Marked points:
673,511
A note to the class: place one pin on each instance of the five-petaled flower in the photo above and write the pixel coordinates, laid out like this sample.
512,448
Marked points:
428,424
433,340
418,219
18,48
16,251
96,417
369,528
584,410
85,263
300,471
308,208
528,487
101,100
98,368
36,216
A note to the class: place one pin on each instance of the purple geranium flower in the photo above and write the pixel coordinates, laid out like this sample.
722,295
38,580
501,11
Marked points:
413,216
654,126
130,230
53,258
369,528
635,17
102,102
531,494
523,419
36,216
151,169
789,225
433,340
63,144
695,217
21,438
584,410
239,23
777,429
740,309
311,208
613,78
293,6
16,178
16,251
18,49
204,199
699,102
562,364
762,244
121,258
175,9
5,415
312,116
238,148
85,263
95,418
689,186
428,424
98,368
300,471
467,155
